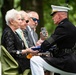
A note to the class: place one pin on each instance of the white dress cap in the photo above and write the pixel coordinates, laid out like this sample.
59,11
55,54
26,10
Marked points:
59,8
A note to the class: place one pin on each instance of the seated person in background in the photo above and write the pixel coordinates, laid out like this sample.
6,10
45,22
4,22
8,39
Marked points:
13,43
31,29
32,35
64,36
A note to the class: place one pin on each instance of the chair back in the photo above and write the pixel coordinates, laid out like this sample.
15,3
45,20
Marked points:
9,65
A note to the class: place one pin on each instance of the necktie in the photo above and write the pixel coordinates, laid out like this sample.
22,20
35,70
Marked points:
24,39
32,34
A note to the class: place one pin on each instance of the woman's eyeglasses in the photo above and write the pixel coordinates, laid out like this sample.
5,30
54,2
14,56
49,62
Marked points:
25,20
34,19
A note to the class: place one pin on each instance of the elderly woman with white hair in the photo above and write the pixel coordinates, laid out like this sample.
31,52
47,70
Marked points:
12,42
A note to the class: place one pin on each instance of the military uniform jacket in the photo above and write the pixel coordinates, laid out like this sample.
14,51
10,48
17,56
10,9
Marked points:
12,43
64,37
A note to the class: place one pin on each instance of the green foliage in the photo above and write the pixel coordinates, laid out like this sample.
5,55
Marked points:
17,4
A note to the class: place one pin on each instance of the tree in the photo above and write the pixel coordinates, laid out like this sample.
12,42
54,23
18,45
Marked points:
7,5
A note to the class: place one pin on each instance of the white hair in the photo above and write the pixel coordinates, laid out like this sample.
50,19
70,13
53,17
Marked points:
11,14
22,12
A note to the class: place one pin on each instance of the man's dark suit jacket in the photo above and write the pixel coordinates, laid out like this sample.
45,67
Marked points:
28,37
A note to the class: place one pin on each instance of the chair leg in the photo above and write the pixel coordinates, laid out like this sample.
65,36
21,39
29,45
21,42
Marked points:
49,73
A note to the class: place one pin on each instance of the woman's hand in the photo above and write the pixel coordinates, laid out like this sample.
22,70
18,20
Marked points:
29,50
32,53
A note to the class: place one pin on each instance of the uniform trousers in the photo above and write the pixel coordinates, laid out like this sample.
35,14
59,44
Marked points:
39,65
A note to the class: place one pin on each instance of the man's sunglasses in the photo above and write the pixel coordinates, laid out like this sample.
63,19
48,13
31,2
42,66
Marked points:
34,19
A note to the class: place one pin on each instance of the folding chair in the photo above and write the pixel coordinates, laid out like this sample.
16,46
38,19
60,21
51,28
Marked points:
9,65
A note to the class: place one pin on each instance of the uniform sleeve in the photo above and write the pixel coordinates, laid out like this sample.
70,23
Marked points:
58,35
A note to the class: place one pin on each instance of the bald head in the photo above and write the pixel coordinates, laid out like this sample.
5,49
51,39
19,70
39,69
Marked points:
34,19
33,14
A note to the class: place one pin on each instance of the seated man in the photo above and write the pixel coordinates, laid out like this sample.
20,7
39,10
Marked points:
64,36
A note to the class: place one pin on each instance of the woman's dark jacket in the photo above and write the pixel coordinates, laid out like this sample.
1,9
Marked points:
64,37
12,43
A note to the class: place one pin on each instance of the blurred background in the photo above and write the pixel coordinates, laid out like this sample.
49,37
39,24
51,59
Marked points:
43,7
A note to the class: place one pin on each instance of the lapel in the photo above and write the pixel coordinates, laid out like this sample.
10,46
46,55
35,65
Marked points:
35,36
29,36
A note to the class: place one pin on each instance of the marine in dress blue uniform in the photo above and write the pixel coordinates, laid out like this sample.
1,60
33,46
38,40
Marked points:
64,37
